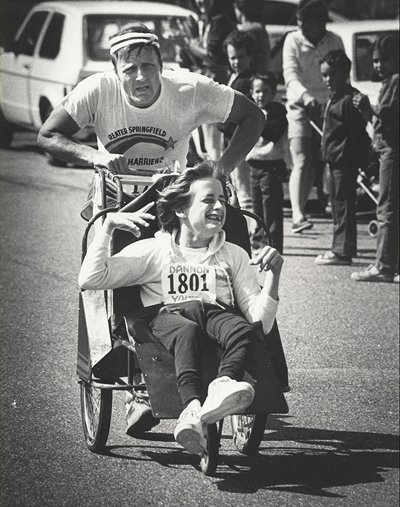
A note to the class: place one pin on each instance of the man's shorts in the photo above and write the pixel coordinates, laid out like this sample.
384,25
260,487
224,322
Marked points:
298,122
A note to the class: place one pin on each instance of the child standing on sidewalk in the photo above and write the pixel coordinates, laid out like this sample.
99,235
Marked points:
385,59
266,161
345,147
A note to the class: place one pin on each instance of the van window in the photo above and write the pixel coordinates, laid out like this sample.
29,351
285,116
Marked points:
27,40
98,29
52,39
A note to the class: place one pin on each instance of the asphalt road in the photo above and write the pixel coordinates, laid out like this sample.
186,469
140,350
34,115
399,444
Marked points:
337,446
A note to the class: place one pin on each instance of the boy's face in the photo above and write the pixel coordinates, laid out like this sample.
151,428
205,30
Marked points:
383,65
334,79
239,59
262,93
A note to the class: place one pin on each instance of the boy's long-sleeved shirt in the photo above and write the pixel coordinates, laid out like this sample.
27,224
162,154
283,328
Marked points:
270,145
144,262
386,122
301,65
344,139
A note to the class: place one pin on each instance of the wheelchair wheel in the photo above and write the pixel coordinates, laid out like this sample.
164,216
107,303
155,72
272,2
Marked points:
248,431
96,405
373,228
209,459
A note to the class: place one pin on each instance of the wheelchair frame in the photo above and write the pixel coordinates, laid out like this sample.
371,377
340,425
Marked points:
116,351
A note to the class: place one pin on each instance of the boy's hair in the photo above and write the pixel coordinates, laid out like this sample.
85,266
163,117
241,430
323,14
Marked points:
388,46
238,40
177,195
135,28
337,59
268,78
315,9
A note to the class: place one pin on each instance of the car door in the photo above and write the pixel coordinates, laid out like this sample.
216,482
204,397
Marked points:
17,66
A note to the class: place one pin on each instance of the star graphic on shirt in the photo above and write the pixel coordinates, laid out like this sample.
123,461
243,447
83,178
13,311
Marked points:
170,143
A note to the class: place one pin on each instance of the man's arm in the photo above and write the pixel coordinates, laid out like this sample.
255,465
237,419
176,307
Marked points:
250,122
56,137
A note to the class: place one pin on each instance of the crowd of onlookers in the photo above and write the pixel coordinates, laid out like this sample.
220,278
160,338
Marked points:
232,46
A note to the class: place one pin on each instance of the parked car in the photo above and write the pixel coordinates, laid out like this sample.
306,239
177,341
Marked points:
60,43
358,37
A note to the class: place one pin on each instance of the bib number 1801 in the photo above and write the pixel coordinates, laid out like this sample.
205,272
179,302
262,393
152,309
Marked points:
192,282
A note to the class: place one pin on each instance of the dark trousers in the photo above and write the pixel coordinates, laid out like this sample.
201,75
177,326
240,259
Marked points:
183,329
343,201
267,197
387,254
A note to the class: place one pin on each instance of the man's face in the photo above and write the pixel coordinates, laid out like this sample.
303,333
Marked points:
239,60
312,29
205,214
334,79
139,72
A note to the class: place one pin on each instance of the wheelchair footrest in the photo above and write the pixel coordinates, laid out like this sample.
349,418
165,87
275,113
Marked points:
157,365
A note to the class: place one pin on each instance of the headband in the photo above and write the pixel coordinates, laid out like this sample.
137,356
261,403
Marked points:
118,42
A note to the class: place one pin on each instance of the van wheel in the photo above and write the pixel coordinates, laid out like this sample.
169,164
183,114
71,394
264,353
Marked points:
6,132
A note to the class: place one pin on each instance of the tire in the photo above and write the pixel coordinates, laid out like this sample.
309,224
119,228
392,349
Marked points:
209,459
96,406
6,133
248,432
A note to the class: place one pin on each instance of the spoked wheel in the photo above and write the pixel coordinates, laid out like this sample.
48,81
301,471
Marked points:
209,459
248,431
96,405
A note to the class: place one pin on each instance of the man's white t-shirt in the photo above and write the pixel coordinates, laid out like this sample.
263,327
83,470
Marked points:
152,139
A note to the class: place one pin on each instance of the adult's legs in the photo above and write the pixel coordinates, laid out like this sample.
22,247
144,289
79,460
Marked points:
302,176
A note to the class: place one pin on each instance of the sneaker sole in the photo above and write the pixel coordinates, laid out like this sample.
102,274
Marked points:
233,404
304,227
145,423
191,441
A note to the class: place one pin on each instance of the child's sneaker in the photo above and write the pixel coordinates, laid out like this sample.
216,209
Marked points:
225,397
139,416
371,274
189,431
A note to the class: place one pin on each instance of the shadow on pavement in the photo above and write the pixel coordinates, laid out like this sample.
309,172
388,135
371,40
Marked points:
311,461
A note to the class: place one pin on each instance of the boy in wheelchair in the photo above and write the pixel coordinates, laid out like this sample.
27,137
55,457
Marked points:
199,281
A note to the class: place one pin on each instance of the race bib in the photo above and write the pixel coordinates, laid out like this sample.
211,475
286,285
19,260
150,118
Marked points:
182,282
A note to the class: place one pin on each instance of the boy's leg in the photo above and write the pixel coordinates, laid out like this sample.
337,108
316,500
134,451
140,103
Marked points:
272,195
387,255
257,205
344,181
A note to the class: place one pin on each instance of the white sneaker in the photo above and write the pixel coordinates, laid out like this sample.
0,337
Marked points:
189,431
225,397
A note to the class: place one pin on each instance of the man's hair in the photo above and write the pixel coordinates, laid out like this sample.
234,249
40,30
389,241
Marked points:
238,40
268,78
337,59
177,195
315,9
251,9
135,27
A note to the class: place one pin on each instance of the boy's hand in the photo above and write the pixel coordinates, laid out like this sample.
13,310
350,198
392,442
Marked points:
269,259
362,103
130,222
